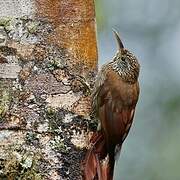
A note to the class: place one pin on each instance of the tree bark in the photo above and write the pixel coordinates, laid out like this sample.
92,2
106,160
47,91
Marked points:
48,53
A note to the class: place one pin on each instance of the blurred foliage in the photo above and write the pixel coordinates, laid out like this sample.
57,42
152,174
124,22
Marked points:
150,29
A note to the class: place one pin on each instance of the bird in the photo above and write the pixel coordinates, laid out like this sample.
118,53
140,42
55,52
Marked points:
114,98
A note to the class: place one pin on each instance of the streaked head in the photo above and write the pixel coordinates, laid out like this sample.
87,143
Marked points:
126,62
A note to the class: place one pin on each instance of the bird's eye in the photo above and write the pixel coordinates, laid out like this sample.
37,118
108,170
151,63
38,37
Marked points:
123,58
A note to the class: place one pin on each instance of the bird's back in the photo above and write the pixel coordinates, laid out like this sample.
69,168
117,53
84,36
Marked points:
116,100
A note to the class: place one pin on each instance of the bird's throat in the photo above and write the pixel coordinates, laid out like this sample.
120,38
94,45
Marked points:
126,73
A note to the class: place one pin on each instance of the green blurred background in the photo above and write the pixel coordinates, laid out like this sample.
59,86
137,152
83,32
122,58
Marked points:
151,30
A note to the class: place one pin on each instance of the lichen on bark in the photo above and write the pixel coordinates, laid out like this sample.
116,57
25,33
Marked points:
47,55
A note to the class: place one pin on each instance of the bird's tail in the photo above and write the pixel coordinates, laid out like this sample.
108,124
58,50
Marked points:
97,164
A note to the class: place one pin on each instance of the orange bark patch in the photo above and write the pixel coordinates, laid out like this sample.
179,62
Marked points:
74,23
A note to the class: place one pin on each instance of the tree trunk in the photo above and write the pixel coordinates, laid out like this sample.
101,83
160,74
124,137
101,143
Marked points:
47,55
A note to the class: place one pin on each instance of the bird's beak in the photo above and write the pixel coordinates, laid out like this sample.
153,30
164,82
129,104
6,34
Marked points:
120,44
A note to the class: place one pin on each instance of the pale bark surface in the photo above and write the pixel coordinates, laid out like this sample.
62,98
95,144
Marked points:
45,45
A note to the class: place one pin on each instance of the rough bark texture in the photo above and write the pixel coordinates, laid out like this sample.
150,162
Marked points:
47,52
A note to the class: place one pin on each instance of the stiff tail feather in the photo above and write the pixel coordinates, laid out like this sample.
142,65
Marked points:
96,165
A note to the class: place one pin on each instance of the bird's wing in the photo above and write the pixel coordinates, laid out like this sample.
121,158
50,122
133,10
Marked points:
116,120
116,106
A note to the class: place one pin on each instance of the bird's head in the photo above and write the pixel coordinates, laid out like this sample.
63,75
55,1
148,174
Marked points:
126,62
